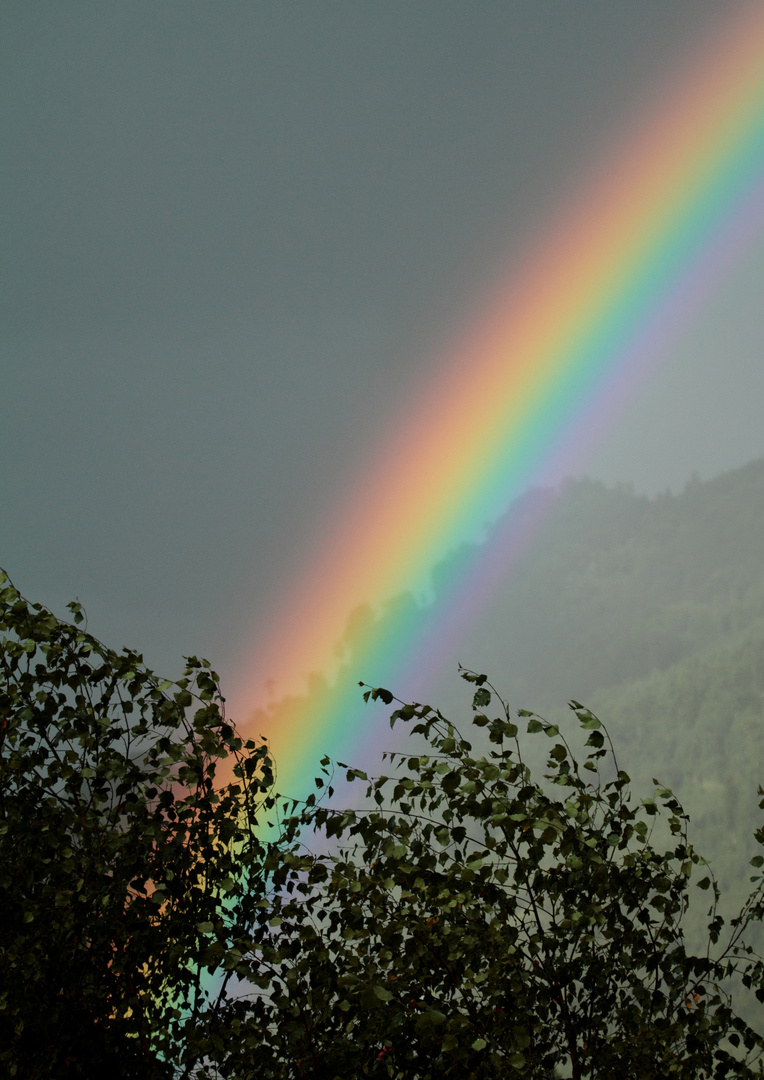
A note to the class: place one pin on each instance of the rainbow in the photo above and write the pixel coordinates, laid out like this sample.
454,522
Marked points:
554,351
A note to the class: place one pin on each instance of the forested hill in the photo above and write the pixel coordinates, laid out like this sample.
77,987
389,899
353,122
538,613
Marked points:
618,586
651,612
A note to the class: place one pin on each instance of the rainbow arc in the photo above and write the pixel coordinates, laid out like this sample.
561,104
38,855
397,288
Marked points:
575,321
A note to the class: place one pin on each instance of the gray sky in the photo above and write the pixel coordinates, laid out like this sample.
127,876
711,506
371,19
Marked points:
231,232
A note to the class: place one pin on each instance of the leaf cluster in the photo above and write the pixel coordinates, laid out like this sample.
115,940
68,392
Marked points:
126,865
473,921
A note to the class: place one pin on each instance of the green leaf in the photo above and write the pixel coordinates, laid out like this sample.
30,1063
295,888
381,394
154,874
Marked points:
431,1018
588,720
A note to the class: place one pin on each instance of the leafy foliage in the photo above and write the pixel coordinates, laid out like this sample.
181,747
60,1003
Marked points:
470,919
475,922
124,868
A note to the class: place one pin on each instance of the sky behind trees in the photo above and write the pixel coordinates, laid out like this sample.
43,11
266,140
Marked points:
234,236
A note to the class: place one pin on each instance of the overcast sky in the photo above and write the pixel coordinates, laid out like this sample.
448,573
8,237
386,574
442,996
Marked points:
232,234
